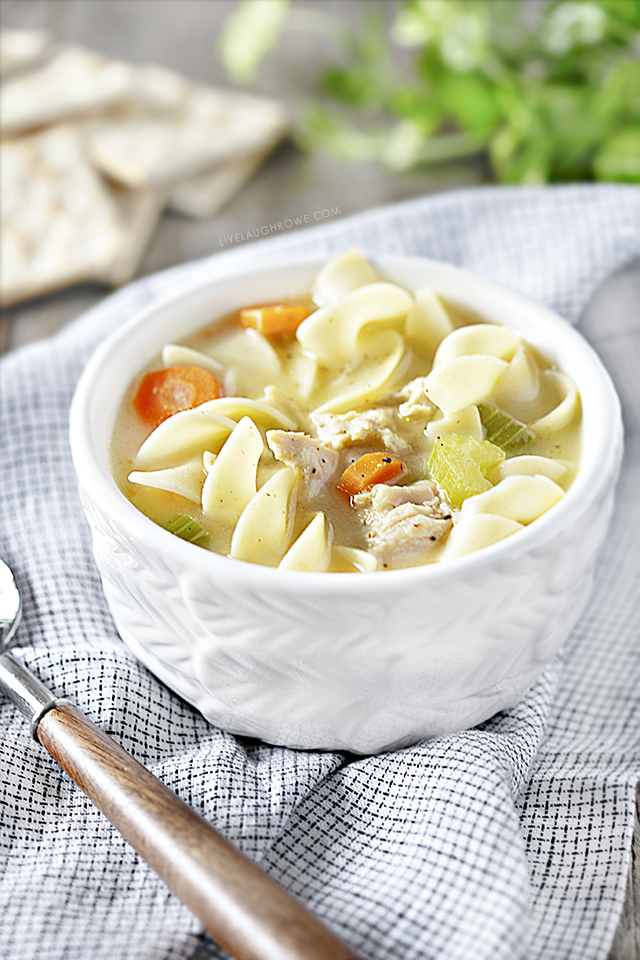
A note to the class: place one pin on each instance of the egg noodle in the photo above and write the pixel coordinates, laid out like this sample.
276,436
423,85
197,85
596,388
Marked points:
360,427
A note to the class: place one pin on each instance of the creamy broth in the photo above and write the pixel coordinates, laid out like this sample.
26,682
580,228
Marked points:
337,403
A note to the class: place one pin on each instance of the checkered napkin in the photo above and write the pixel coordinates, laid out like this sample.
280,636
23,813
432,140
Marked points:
511,840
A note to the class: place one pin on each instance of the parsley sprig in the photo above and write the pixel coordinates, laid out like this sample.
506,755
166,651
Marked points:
556,99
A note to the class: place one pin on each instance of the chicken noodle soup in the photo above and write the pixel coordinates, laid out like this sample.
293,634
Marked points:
362,427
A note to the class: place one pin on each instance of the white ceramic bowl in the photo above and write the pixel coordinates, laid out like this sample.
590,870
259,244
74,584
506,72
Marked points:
362,662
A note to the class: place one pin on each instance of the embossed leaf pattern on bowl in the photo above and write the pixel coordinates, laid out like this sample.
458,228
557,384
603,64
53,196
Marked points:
369,666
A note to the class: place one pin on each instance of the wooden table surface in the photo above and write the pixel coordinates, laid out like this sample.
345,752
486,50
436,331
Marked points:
181,35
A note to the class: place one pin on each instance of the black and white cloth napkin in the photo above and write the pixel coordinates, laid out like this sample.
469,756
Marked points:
509,841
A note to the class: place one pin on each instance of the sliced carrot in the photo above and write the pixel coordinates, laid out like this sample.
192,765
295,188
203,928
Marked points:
165,392
370,469
272,320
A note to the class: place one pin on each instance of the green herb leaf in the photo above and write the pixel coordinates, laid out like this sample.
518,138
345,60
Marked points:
553,96
356,87
573,24
325,133
619,157
249,34
471,100
419,106
619,97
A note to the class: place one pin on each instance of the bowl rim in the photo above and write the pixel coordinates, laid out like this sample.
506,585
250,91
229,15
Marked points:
587,486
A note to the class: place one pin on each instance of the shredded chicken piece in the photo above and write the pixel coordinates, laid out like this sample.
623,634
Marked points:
405,524
383,496
416,405
340,430
313,461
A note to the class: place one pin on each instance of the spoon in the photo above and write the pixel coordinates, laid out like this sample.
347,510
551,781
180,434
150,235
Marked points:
246,911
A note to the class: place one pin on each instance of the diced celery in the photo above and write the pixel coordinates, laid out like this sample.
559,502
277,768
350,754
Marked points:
459,466
187,529
507,433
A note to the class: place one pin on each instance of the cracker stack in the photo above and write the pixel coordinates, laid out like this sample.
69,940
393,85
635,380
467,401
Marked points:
92,150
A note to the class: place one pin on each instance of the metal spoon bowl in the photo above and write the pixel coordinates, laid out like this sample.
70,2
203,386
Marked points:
10,606
21,686
246,911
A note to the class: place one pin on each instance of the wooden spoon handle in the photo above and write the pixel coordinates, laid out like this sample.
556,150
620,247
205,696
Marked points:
247,912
